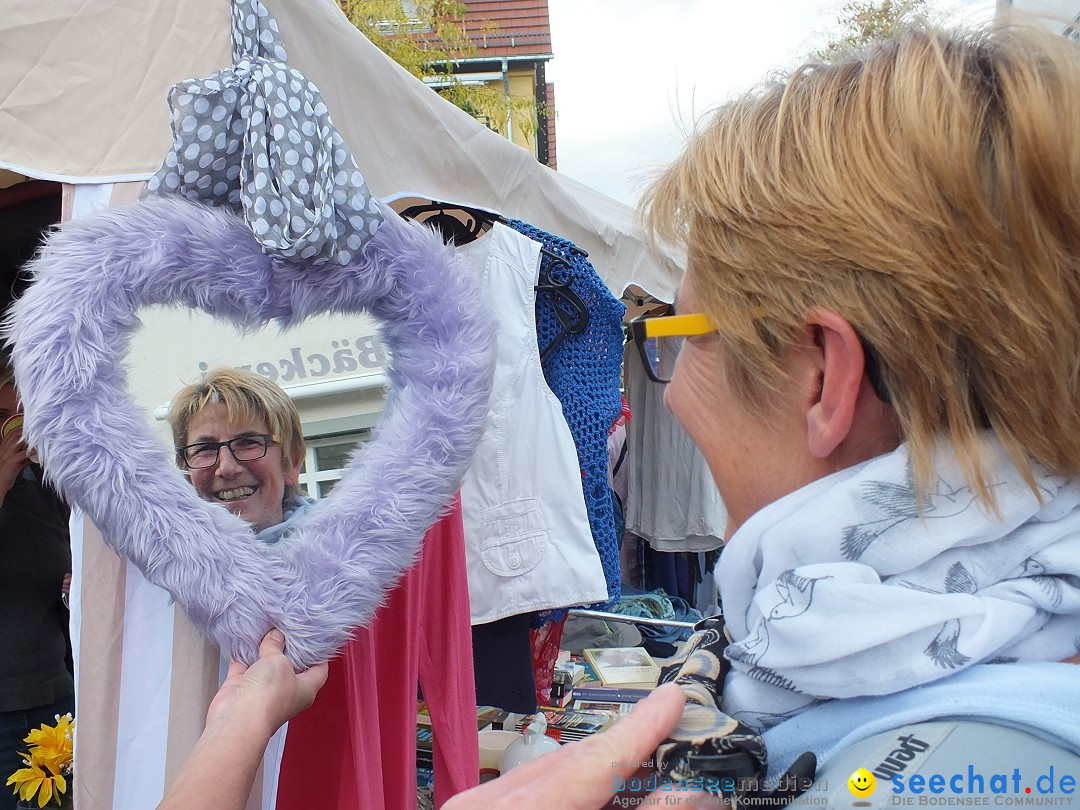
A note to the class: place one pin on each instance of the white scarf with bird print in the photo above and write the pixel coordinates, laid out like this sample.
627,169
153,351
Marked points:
843,588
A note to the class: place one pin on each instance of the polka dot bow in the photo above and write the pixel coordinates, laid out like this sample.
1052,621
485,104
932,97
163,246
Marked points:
258,139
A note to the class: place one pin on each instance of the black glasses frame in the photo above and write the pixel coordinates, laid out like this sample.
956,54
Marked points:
183,452
872,368
637,334
667,325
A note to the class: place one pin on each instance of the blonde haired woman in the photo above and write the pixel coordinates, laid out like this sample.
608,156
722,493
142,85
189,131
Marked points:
886,249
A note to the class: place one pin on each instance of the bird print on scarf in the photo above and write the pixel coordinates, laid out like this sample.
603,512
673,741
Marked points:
943,649
796,594
896,505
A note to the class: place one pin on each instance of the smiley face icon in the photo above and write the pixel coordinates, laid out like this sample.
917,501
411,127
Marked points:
862,783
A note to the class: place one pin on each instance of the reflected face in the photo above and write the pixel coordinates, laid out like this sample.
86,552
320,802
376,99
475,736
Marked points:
862,783
253,490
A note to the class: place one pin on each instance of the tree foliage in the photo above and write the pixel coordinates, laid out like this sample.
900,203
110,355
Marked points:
428,38
862,21
423,37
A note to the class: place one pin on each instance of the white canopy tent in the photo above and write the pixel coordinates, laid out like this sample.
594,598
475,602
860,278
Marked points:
82,101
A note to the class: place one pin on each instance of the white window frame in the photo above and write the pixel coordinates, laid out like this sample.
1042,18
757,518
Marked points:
310,475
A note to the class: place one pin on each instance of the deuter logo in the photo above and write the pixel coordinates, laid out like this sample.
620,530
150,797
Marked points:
897,760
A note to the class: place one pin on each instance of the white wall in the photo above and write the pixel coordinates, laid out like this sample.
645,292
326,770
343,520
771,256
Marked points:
1063,10
331,353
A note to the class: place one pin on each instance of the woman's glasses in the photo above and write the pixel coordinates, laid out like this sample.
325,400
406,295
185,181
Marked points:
243,448
660,337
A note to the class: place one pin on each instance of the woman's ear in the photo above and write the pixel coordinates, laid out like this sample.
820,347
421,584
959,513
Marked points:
292,475
837,365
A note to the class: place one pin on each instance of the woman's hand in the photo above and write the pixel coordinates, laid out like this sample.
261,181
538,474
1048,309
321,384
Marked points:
13,457
590,774
268,690
251,705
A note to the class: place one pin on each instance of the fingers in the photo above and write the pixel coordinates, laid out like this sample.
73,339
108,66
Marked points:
620,752
655,716
14,456
236,669
306,684
586,774
647,725
13,449
316,676
268,692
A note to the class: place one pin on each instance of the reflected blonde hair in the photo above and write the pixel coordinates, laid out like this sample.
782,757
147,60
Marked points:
247,397
926,188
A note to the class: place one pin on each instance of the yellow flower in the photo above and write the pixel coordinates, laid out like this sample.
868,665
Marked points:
52,745
33,779
48,759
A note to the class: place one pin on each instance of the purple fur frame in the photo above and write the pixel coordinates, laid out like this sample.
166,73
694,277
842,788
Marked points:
70,333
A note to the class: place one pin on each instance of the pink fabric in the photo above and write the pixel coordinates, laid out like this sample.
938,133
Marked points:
545,642
355,748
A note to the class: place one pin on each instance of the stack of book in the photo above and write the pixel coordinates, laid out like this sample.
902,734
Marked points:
487,717
613,675
566,676
566,725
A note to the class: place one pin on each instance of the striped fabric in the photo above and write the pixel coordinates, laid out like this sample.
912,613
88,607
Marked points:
144,679
143,676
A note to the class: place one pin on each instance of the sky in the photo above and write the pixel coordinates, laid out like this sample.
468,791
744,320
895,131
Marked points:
631,76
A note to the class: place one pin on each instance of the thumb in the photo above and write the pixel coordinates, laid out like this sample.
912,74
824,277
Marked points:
272,643
312,680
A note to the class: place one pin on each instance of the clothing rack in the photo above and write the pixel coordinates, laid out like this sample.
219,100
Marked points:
619,617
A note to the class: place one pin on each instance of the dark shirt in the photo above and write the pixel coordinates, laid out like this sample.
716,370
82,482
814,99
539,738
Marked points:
35,553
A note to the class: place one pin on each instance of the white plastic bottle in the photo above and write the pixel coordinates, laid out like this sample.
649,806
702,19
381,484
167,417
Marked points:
533,743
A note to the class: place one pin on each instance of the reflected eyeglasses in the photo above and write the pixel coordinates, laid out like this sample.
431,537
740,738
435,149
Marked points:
660,337
250,447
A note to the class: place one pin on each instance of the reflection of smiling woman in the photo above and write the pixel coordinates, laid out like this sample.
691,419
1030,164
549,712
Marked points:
223,435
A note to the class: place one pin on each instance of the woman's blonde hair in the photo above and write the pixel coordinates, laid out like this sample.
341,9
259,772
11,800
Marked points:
926,188
247,397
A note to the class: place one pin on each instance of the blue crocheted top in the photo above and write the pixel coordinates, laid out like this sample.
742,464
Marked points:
583,371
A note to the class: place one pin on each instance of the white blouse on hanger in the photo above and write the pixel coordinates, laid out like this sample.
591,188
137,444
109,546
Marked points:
528,541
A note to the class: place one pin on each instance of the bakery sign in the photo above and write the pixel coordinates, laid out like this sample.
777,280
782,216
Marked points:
312,360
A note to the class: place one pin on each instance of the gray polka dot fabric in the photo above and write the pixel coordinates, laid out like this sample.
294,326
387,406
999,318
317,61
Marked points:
258,139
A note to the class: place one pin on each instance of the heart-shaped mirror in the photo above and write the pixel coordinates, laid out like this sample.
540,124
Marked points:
70,333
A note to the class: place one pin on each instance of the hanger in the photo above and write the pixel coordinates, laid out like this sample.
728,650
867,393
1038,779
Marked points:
447,219
572,313
462,224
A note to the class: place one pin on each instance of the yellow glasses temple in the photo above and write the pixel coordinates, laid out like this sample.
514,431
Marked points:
696,323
